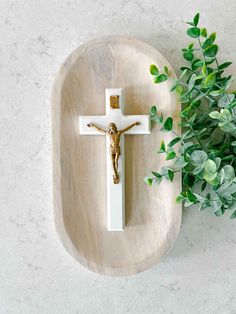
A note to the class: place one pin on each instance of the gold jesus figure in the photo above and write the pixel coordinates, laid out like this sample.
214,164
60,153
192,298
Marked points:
114,136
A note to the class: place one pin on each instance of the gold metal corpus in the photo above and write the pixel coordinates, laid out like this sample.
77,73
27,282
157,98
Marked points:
114,136
114,102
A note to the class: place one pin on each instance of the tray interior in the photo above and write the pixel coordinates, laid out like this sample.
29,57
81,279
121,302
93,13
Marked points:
79,162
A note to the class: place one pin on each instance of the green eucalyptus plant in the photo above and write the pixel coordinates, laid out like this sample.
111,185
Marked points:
207,154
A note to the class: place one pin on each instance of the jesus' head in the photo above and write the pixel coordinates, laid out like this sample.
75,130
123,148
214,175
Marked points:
112,127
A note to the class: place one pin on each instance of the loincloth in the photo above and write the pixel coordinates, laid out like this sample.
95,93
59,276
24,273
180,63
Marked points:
115,150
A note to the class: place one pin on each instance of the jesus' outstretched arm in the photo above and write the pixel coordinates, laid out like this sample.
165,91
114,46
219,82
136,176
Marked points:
129,127
91,125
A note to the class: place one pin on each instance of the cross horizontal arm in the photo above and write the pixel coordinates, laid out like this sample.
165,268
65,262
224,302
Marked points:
100,121
143,128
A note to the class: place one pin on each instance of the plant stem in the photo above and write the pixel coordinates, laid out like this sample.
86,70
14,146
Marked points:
199,42
217,63
200,143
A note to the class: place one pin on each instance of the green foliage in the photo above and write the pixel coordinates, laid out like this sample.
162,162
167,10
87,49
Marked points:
168,124
205,151
158,77
193,32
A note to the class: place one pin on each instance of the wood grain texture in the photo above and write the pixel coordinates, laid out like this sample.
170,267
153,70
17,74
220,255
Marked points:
79,162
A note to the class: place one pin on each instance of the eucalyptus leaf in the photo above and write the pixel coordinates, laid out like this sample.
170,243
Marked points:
196,19
210,166
188,180
166,70
179,198
162,147
204,184
168,125
170,155
209,41
211,51
148,180
209,80
217,92
191,197
174,141
204,69
233,215
210,177
223,187
215,115
156,174
203,32
170,175
219,212
216,205
228,172
153,69
225,100
197,64
157,177
180,162
224,65
217,162
198,157
188,55
193,32
160,78
226,115
188,203
231,189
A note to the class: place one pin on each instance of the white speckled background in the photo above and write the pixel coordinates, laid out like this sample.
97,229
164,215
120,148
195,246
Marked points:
36,273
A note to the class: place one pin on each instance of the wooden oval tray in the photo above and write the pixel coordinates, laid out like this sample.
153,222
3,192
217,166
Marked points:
152,217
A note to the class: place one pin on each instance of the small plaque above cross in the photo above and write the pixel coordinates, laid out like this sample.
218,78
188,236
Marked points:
114,101
114,124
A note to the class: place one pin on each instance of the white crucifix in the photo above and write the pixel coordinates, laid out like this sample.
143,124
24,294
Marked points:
114,125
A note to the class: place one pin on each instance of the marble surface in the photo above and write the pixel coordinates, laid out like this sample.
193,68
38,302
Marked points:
36,274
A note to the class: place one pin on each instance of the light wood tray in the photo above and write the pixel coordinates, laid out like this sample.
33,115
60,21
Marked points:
79,162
